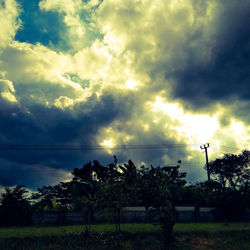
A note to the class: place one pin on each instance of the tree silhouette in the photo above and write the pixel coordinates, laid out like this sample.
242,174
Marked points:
232,173
232,170
15,208
58,197
158,189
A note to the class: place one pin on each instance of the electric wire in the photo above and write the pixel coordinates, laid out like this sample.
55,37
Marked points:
94,147
72,147
125,147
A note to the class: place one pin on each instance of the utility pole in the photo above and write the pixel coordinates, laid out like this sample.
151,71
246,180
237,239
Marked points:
206,146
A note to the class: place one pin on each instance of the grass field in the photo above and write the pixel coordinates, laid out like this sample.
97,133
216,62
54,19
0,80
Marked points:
134,236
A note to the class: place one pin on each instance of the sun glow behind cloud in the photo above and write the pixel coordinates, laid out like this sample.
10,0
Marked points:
108,144
196,128
131,84
240,132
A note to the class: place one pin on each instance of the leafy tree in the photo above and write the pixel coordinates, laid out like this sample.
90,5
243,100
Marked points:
15,208
113,197
232,173
232,170
112,187
51,198
87,183
200,194
130,176
159,190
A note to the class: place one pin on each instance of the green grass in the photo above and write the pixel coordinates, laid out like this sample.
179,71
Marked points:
18,232
210,227
134,236
132,227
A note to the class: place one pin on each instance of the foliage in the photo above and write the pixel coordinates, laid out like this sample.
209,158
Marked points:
232,174
113,187
53,198
87,185
135,236
96,187
232,170
159,189
200,194
15,208
113,197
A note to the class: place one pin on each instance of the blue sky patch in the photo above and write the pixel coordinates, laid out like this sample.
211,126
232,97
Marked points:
40,27
75,78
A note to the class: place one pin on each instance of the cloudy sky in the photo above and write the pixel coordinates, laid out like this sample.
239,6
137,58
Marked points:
114,72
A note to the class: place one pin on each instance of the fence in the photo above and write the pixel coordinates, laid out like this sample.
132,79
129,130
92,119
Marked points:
128,214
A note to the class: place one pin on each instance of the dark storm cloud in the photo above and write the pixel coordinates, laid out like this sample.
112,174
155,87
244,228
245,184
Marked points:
154,156
226,75
38,124
32,176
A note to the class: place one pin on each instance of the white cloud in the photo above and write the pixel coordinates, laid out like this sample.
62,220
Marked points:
7,90
66,6
72,10
40,71
9,22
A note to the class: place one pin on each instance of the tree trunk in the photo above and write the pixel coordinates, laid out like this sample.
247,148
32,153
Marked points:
169,232
147,213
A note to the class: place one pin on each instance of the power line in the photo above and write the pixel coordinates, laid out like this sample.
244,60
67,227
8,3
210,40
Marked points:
72,147
228,147
95,147
225,150
228,151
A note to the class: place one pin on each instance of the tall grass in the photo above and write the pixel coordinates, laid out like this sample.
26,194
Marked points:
134,236
18,232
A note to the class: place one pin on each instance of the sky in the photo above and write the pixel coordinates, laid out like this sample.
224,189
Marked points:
113,72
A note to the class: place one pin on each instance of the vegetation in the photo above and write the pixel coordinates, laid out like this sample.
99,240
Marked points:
134,236
43,231
108,189
15,208
232,179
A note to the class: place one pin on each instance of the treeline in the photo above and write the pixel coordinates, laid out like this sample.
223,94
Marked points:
96,187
